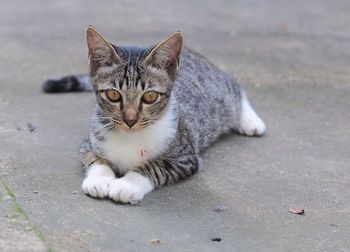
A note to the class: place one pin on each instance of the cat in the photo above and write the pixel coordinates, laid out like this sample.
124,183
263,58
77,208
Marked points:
156,110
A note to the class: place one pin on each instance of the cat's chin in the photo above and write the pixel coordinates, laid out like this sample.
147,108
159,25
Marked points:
131,130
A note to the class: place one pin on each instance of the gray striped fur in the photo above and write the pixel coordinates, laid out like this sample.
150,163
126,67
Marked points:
206,101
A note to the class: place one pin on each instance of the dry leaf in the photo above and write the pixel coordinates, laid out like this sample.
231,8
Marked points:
154,242
296,211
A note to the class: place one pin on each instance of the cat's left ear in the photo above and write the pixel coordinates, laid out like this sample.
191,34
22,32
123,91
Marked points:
166,54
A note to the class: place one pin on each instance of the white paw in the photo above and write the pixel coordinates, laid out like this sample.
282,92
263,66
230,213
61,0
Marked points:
122,190
130,189
251,124
97,186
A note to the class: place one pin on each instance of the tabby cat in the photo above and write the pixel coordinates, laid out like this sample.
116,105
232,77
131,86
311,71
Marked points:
156,109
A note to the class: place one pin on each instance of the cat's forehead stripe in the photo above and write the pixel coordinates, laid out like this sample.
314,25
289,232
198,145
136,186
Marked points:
132,71
126,77
143,84
130,74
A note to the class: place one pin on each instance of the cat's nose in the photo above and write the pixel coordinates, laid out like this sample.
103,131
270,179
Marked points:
130,117
130,123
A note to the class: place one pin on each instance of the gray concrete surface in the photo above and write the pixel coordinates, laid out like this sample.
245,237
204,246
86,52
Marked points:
293,57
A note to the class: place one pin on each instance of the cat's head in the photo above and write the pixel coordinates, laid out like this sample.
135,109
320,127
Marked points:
133,85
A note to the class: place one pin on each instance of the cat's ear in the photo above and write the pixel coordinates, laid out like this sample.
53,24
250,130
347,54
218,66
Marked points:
166,54
101,52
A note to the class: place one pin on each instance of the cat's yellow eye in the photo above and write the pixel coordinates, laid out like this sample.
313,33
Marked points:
113,95
150,97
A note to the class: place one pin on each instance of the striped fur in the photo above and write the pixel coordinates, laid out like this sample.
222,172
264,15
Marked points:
197,103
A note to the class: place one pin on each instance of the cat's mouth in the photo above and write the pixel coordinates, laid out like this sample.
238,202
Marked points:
137,126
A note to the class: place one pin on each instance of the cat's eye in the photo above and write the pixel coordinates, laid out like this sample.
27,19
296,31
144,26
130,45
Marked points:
150,97
113,95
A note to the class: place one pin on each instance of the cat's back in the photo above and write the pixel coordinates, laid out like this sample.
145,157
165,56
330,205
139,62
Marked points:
198,74
208,98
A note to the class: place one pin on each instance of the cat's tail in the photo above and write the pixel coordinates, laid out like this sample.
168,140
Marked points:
68,84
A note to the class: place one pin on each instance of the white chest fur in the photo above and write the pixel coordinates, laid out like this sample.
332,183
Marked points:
127,150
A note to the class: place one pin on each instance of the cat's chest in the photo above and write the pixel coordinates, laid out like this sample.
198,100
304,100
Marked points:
128,150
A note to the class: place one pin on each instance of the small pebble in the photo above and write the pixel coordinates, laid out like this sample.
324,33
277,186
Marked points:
219,209
35,192
27,228
31,127
74,192
28,127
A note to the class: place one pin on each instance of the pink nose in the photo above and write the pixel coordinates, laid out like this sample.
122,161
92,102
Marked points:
130,117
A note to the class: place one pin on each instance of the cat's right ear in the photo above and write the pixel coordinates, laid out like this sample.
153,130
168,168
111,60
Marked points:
101,52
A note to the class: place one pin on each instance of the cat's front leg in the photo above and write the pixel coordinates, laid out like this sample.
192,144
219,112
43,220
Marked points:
99,177
152,174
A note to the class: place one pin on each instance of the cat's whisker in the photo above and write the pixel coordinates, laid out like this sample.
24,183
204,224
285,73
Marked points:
83,119
117,121
98,120
106,117
144,123
106,126
150,122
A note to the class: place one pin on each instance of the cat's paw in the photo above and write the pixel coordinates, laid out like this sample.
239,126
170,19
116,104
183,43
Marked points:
251,124
97,186
130,189
122,190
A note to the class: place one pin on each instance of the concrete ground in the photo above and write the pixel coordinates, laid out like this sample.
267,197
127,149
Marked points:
292,57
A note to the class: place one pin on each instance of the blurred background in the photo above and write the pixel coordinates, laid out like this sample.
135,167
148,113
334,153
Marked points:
269,38
292,57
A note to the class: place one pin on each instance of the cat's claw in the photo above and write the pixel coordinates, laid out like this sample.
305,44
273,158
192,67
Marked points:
97,186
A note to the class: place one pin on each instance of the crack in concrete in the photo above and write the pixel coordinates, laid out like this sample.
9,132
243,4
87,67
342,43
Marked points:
21,212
